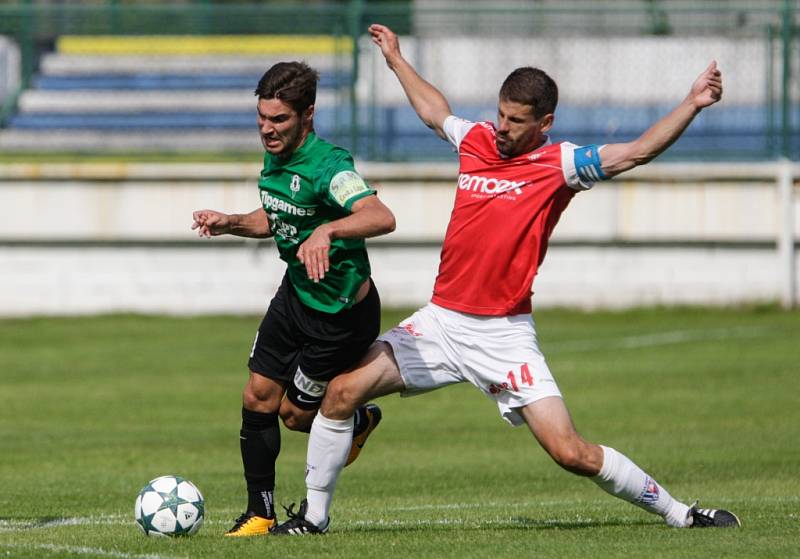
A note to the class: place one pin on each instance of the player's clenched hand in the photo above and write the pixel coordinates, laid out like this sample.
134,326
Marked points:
386,39
210,223
707,88
314,253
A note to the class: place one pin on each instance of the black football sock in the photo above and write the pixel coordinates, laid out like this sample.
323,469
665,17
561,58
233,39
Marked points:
260,443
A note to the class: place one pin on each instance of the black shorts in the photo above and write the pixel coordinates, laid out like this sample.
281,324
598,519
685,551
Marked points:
304,348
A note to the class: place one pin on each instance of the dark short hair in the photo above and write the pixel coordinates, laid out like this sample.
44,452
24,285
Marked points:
531,86
294,83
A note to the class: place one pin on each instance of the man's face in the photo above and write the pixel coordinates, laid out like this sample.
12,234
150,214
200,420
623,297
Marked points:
282,129
518,130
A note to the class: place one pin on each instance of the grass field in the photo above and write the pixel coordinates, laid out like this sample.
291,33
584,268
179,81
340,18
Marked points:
706,400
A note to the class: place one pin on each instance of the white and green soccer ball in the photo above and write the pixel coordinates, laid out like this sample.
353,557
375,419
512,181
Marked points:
169,506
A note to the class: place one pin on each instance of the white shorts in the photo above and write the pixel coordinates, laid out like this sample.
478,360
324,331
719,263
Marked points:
500,355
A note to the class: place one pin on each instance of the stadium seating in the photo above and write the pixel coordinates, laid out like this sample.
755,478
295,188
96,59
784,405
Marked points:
177,94
146,93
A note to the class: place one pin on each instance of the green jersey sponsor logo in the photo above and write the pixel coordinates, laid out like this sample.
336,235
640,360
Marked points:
284,231
279,205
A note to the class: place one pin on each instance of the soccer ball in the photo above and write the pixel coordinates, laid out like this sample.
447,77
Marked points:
169,506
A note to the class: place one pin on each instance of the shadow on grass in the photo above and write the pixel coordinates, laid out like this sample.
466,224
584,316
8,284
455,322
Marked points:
511,523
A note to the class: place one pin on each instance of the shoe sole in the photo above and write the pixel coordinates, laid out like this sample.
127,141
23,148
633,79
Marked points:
238,533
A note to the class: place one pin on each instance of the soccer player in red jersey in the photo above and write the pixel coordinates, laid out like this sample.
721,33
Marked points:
513,184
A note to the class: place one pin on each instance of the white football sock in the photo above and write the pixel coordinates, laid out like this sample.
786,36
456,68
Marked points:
624,479
328,447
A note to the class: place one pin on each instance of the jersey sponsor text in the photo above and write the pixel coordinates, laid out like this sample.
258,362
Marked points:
488,185
276,205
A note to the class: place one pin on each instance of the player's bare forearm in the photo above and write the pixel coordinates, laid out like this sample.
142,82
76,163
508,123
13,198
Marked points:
705,91
370,218
254,225
428,102
618,158
211,223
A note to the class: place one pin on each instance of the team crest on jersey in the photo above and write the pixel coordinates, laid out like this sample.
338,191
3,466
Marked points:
295,185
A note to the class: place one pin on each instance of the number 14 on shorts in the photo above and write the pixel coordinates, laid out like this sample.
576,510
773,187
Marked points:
515,379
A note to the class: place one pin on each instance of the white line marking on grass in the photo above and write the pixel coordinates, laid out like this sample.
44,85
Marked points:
661,338
85,550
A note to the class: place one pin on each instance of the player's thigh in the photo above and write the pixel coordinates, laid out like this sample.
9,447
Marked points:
549,421
377,374
422,351
500,356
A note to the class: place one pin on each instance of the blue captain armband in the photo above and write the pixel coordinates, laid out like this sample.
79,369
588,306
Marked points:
587,164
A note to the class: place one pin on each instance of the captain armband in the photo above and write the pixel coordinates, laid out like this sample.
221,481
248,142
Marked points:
345,185
587,164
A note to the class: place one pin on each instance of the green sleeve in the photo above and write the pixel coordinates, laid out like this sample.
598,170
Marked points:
338,182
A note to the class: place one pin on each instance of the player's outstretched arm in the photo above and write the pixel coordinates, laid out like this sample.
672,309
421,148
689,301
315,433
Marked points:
210,223
431,106
705,91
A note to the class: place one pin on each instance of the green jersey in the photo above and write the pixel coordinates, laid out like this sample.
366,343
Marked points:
316,185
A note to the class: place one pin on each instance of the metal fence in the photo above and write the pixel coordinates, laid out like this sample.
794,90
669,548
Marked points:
619,66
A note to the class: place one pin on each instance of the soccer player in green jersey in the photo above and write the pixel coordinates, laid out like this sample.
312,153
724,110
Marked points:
326,313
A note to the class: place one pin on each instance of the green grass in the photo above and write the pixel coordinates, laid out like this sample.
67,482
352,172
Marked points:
706,400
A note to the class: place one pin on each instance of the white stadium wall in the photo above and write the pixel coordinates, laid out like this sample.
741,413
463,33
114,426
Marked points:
95,238
644,70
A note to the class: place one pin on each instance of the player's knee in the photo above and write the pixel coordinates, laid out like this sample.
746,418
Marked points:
574,456
568,458
341,399
250,400
256,400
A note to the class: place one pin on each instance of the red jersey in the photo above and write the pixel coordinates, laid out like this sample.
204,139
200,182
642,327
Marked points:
504,212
